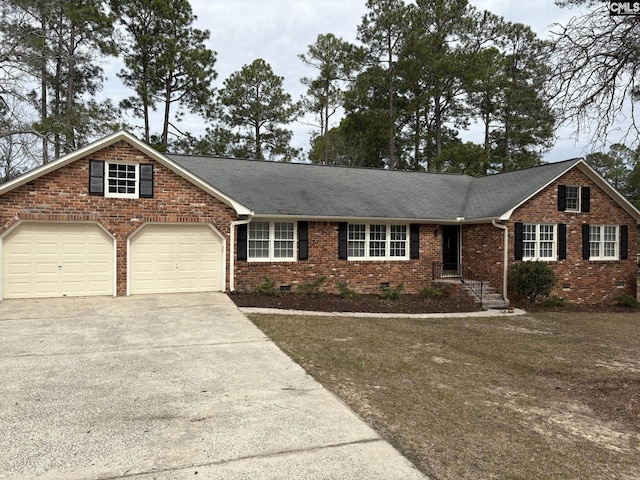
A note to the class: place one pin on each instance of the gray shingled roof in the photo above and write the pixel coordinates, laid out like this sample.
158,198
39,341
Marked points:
493,195
275,188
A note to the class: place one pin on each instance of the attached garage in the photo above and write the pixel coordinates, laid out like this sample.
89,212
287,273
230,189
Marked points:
54,259
172,258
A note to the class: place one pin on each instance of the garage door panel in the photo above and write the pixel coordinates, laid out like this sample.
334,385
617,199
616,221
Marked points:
175,258
57,259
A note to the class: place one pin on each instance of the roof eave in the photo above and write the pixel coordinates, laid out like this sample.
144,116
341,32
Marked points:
364,219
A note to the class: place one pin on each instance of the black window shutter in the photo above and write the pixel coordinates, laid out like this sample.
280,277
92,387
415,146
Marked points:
562,198
414,241
585,199
242,242
342,240
303,240
146,180
518,241
585,242
96,177
562,241
624,242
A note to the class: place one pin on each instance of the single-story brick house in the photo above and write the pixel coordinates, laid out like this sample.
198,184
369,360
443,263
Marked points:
118,218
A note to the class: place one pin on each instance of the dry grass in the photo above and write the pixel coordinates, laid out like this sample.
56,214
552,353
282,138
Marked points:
544,396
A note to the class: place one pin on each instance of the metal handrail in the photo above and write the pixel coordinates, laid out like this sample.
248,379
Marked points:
466,276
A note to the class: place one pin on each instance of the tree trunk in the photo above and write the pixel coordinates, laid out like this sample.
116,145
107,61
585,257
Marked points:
392,139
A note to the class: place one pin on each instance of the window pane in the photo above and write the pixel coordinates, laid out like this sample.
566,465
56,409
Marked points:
357,237
594,241
547,241
258,240
573,198
610,241
121,178
283,240
398,247
377,240
529,241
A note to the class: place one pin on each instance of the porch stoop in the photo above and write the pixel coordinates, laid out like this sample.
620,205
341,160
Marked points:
489,297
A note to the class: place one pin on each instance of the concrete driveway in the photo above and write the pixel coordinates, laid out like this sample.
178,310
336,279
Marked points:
168,387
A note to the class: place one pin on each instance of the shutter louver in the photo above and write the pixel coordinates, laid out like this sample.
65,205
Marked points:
242,243
562,198
342,240
518,248
146,181
585,196
562,241
303,240
414,241
96,178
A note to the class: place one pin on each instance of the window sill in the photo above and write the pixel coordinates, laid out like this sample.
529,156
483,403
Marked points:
272,260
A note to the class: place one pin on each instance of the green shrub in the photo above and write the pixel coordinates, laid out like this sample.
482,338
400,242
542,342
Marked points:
312,288
429,292
392,293
626,301
345,291
554,302
534,280
267,287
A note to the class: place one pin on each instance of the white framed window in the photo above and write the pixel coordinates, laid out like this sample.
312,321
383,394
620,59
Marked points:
121,180
377,242
573,199
539,241
603,242
271,241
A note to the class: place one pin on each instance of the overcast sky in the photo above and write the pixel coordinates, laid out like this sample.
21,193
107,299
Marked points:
278,30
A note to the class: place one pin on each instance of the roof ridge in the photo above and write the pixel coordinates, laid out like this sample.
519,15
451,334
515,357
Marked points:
318,165
547,164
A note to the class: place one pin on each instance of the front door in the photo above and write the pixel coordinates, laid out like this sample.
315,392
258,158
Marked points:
451,249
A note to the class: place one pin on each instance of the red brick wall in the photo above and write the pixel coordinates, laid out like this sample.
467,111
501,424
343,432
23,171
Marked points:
63,195
590,281
361,276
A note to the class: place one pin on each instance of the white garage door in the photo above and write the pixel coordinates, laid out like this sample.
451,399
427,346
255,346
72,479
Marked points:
56,260
175,258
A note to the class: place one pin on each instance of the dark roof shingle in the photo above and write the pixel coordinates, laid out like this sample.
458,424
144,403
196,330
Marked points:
290,189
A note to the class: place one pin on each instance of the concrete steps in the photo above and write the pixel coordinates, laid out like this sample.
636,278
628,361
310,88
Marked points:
490,298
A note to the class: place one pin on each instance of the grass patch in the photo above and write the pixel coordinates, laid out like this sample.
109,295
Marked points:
549,395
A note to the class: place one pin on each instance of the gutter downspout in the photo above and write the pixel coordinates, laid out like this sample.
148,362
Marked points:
505,259
232,254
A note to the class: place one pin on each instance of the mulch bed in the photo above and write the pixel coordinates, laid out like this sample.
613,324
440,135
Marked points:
449,303
327,302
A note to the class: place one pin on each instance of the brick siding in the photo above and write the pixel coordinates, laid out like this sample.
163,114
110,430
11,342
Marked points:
588,281
361,276
63,195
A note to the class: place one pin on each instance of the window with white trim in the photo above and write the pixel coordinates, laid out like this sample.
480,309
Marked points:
121,180
538,241
573,199
603,242
271,241
377,242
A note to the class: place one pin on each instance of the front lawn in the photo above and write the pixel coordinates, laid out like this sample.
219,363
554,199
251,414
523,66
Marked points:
548,395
